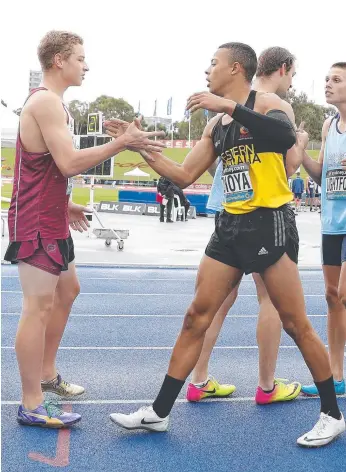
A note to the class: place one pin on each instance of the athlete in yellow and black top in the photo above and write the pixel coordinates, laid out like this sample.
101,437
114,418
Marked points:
254,173
255,233
257,226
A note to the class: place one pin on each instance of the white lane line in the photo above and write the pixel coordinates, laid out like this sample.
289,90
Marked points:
229,317
121,279
134,402
144,348
131,279
138,279
148,294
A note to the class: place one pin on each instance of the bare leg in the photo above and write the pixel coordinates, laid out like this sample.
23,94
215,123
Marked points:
268,336
214,283
200,372
336,317
66,292
342,285
38,297
291,307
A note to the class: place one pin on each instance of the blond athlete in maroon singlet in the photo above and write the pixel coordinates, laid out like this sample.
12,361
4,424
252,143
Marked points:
39,218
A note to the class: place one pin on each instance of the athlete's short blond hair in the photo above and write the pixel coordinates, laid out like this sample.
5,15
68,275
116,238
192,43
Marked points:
56,42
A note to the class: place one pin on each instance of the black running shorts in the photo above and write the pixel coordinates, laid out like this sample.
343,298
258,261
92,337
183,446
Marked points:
254,241
333,249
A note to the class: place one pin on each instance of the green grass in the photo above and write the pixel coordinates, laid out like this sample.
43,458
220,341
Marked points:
79,195
128,160
314,155
124,162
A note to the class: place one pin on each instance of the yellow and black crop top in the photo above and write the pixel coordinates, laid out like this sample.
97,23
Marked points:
253,150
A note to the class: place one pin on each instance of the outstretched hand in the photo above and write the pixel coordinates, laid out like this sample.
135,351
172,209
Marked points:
116,128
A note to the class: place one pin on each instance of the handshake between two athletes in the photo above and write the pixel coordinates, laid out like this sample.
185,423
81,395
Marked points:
203,156
198,160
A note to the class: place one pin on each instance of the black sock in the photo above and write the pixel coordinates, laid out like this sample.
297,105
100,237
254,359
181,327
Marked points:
167,395
329,404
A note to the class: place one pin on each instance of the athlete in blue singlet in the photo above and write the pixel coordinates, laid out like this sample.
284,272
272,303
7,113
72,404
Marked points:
330,173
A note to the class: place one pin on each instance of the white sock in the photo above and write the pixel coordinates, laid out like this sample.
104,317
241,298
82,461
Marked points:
201,384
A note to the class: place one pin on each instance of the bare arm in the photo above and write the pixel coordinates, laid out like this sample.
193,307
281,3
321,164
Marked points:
287,108
270,120
293,160
51,119
199,159
294,155
269,102
312,167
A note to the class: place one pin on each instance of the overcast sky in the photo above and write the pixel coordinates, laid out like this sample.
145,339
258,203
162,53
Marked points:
147,49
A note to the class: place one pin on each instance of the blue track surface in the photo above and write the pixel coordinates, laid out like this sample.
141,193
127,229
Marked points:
117,345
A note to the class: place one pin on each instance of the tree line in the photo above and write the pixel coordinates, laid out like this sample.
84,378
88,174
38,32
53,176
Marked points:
305,110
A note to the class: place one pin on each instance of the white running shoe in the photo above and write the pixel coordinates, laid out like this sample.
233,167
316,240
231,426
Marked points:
144,418
326,429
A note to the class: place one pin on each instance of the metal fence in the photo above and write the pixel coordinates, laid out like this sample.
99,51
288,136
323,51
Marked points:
314,145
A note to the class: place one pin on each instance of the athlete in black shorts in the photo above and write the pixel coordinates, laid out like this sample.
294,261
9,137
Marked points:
255,233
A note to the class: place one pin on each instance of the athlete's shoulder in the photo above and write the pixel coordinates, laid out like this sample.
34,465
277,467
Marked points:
326,126
43,98
46,105
267,99
208,130
267,96
328,122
